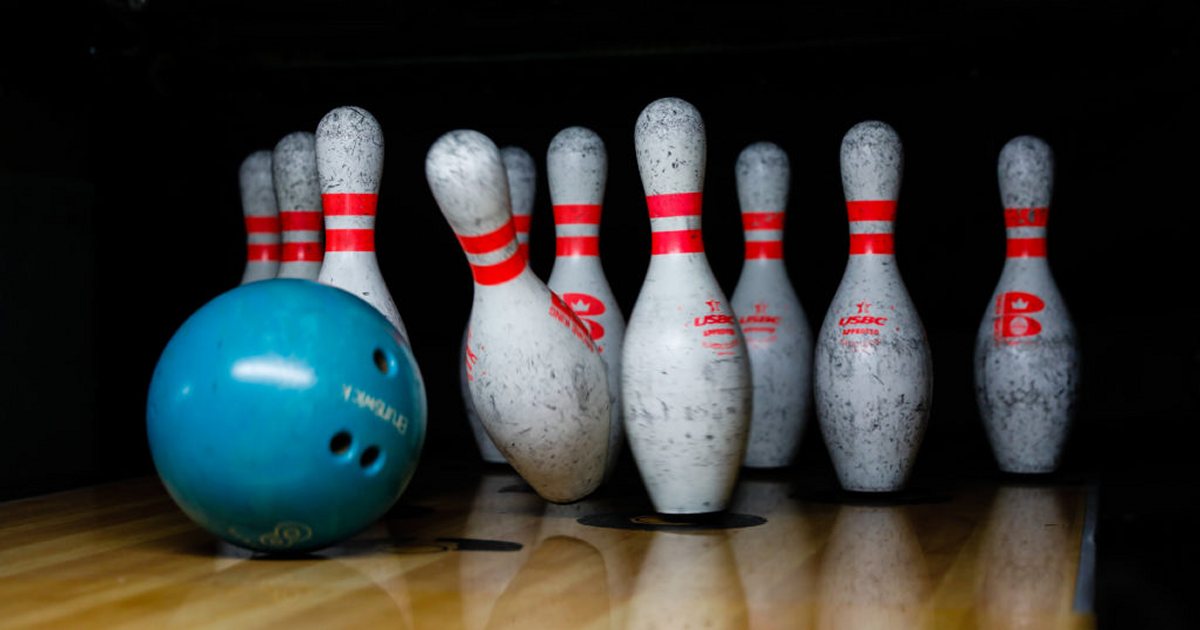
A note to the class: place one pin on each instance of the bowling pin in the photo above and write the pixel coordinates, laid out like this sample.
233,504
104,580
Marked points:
537,381
298,190
522,180
576,171
350,165
522,189
685,374
1026,352
262,217
873,372
776,329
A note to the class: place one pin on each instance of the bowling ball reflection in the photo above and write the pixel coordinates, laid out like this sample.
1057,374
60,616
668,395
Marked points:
286,415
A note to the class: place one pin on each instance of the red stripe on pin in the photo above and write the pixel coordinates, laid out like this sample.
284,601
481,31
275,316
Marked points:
577,246
762,221
262,225
489,242
1026,248
523,250
876,210
676,242
301,221
262,253
872,244
349,240
1025,217
674,205
302,252
577,213
521,222
500,272
349,204
764,249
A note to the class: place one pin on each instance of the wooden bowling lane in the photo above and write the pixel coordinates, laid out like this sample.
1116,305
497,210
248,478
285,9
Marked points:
479,550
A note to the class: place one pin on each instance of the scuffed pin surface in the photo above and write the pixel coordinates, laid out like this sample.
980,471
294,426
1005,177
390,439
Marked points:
349,148
1026,388
298,189
780,362
576,173
349,151
671,147
541,392
576,167
873,400
522,182
258,201
522,179
687,408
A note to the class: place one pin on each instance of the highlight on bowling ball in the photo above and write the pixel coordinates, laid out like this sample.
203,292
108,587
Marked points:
286,416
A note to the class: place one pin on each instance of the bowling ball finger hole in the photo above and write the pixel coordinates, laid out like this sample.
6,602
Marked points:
384,362
371,460
340,443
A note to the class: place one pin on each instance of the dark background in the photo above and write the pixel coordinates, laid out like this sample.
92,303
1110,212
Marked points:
123,124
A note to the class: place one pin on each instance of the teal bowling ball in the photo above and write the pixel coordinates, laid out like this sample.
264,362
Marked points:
286,416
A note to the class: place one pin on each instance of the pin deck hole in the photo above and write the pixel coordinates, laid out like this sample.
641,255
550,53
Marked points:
340,443
369,456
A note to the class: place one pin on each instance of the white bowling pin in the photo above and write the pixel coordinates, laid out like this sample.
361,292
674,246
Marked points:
576,170
298,190
487,448
685,374
537,381
522,180
522,190
872,366
350,166
1026,352
262,217
778,336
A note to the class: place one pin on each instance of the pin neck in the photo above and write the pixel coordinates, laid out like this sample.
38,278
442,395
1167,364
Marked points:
301,235
577,230
871,224
262,238
349,222
522,223
1026,232
495,257
675,223
764,235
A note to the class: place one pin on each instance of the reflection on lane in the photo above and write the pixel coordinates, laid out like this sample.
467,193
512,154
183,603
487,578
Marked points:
688,580
873,572
1026,560
778,561
562,585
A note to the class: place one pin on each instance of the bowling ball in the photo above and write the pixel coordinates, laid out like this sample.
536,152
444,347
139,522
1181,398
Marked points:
286,415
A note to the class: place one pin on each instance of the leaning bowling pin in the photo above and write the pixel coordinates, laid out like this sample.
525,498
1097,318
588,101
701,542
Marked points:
685,374
776,329
873,374
350,165
1026,352
298,190
577,170
262,217
538,383
522,180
